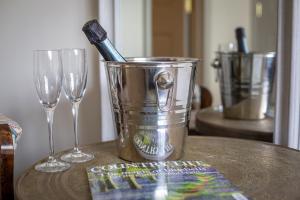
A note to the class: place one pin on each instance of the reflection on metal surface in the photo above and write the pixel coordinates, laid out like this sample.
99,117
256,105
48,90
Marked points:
245,83
151,99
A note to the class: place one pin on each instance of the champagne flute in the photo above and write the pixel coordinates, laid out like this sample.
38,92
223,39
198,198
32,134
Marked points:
48,80
74,84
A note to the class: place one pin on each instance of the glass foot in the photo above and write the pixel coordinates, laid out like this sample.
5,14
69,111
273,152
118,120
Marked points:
52,165
77,156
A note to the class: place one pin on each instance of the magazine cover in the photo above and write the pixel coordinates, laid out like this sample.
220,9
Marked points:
160,180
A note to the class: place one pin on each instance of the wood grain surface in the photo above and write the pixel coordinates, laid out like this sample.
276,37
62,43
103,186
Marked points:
261,170
210,122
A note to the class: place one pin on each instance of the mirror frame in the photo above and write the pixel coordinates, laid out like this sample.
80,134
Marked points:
287,119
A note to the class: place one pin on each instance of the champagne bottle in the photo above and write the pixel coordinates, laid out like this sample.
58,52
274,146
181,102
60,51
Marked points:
98,37
241,40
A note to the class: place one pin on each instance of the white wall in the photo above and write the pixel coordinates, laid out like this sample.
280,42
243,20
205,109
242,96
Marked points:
49,24
128,25
131,28
221,17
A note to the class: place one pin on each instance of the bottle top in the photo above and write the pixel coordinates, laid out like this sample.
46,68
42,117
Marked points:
94,31
240,32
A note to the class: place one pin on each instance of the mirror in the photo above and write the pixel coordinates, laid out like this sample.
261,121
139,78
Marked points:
195,28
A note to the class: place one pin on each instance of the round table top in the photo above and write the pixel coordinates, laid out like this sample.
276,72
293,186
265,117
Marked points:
211,122
261,170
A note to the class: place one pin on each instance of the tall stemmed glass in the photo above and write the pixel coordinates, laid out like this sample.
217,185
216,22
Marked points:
74,84
48,80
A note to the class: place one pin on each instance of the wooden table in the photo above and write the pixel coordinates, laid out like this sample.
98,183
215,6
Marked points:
262,170
210,122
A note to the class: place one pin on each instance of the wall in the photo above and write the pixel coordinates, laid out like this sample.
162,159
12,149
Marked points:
220,20
131,28
49,24
265,26
128,25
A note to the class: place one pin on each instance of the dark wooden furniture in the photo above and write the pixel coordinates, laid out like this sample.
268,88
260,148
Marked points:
210,122
202,98
261,170
205,97
205,100
6,162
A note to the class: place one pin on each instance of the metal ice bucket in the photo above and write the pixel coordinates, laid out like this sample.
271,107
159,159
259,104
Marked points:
245,83
151,100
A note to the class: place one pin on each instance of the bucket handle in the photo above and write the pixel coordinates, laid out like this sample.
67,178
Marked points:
164,80
216,64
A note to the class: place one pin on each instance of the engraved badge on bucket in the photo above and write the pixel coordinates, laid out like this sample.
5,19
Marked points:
154,144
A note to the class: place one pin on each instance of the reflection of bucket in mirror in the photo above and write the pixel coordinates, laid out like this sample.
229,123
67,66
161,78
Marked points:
245,83
151,99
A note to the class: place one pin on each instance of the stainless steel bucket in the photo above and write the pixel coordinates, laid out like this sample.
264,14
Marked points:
151,100
245,83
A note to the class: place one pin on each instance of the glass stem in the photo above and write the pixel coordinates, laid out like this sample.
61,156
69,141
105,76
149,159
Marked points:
50,113
75,106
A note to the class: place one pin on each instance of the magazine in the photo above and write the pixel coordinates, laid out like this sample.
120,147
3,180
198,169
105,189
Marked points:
160,180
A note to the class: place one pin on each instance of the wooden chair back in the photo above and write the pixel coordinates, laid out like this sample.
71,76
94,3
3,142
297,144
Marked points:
206,98
202,98
6,162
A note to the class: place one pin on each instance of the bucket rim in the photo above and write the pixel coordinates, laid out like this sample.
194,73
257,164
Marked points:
152,61
264,54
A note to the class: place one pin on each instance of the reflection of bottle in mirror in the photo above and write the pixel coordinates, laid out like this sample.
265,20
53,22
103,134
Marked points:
98,37
241,40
